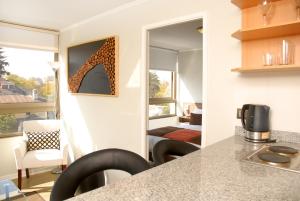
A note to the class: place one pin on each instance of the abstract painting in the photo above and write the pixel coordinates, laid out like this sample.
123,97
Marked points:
93,67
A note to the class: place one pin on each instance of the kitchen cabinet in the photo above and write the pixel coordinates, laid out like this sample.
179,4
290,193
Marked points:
258,39
246,3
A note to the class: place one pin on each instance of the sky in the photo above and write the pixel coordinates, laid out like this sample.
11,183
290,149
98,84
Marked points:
28,63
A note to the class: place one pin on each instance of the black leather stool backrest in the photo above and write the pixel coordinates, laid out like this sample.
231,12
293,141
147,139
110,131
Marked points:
92,182
68,182
170,147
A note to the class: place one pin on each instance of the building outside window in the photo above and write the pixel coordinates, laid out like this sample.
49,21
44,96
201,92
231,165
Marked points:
27,88
162,101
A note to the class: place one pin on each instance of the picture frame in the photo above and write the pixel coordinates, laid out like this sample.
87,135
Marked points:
93,67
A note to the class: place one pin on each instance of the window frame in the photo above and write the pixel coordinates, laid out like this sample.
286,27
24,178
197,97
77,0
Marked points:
172,99
32,107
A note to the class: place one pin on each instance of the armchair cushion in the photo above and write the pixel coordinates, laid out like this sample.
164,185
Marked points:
43,140
42,158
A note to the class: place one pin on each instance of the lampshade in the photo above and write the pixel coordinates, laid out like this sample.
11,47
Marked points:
55,64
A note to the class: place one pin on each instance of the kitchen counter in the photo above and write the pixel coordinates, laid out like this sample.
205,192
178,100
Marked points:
217,172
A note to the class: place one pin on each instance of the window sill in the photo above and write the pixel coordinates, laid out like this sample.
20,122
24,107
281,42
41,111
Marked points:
156,101
162,117
9,135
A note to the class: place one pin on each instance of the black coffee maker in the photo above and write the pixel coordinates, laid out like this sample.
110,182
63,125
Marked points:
255,120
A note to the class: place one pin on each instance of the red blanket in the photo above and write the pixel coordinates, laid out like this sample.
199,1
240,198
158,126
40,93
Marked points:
185,135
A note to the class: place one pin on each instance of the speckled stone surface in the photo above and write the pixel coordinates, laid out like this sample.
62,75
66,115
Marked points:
217,172
282,136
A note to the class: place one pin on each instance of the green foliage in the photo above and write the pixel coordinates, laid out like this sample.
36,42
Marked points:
166,109
45,89
157,89
7,122
22,82
154,83
3,64
163,90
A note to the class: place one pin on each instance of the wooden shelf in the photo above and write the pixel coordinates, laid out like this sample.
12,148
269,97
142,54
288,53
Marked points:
246,3
288,29
257,38
267,68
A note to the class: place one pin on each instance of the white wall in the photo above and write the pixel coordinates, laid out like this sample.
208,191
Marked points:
97,122
281,91
190,70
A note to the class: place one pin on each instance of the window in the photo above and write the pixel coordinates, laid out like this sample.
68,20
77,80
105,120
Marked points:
27,88
162,102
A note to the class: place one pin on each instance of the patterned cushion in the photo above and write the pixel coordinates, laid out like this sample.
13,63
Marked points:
43,140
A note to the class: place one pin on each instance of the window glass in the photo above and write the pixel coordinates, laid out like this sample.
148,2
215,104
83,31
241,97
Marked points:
164,109
26,76
160,84
13,123
162,101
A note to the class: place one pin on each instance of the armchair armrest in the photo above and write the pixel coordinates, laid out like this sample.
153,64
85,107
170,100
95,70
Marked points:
65,151
19,152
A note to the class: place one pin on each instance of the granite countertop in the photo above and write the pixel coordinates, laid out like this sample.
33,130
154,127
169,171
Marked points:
217,172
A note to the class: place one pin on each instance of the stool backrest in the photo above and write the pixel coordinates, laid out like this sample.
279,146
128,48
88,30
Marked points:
68,182
164,148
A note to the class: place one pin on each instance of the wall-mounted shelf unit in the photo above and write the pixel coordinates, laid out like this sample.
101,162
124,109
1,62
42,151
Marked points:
267,68
258,39
242,4
271,31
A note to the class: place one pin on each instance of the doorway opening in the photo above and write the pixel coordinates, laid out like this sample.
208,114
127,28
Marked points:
175,85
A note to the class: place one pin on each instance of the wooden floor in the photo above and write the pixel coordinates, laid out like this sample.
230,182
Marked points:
39,183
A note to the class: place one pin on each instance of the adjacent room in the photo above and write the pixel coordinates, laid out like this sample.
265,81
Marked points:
175,83
149,100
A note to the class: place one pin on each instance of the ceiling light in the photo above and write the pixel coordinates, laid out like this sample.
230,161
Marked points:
200,29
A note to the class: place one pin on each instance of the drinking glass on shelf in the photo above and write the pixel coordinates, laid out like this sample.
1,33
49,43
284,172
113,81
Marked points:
265,7
298,8
268,59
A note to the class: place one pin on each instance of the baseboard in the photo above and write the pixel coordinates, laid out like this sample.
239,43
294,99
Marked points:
32,172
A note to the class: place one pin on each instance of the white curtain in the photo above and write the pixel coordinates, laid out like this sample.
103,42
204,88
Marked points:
163,59
25,37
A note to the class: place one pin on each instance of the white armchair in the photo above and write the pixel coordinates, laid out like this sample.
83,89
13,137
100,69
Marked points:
43,157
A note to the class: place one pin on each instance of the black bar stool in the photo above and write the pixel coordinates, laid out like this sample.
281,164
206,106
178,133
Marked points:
164,148
83,169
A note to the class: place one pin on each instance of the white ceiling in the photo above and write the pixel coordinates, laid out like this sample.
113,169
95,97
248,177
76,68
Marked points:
54,14
180,37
